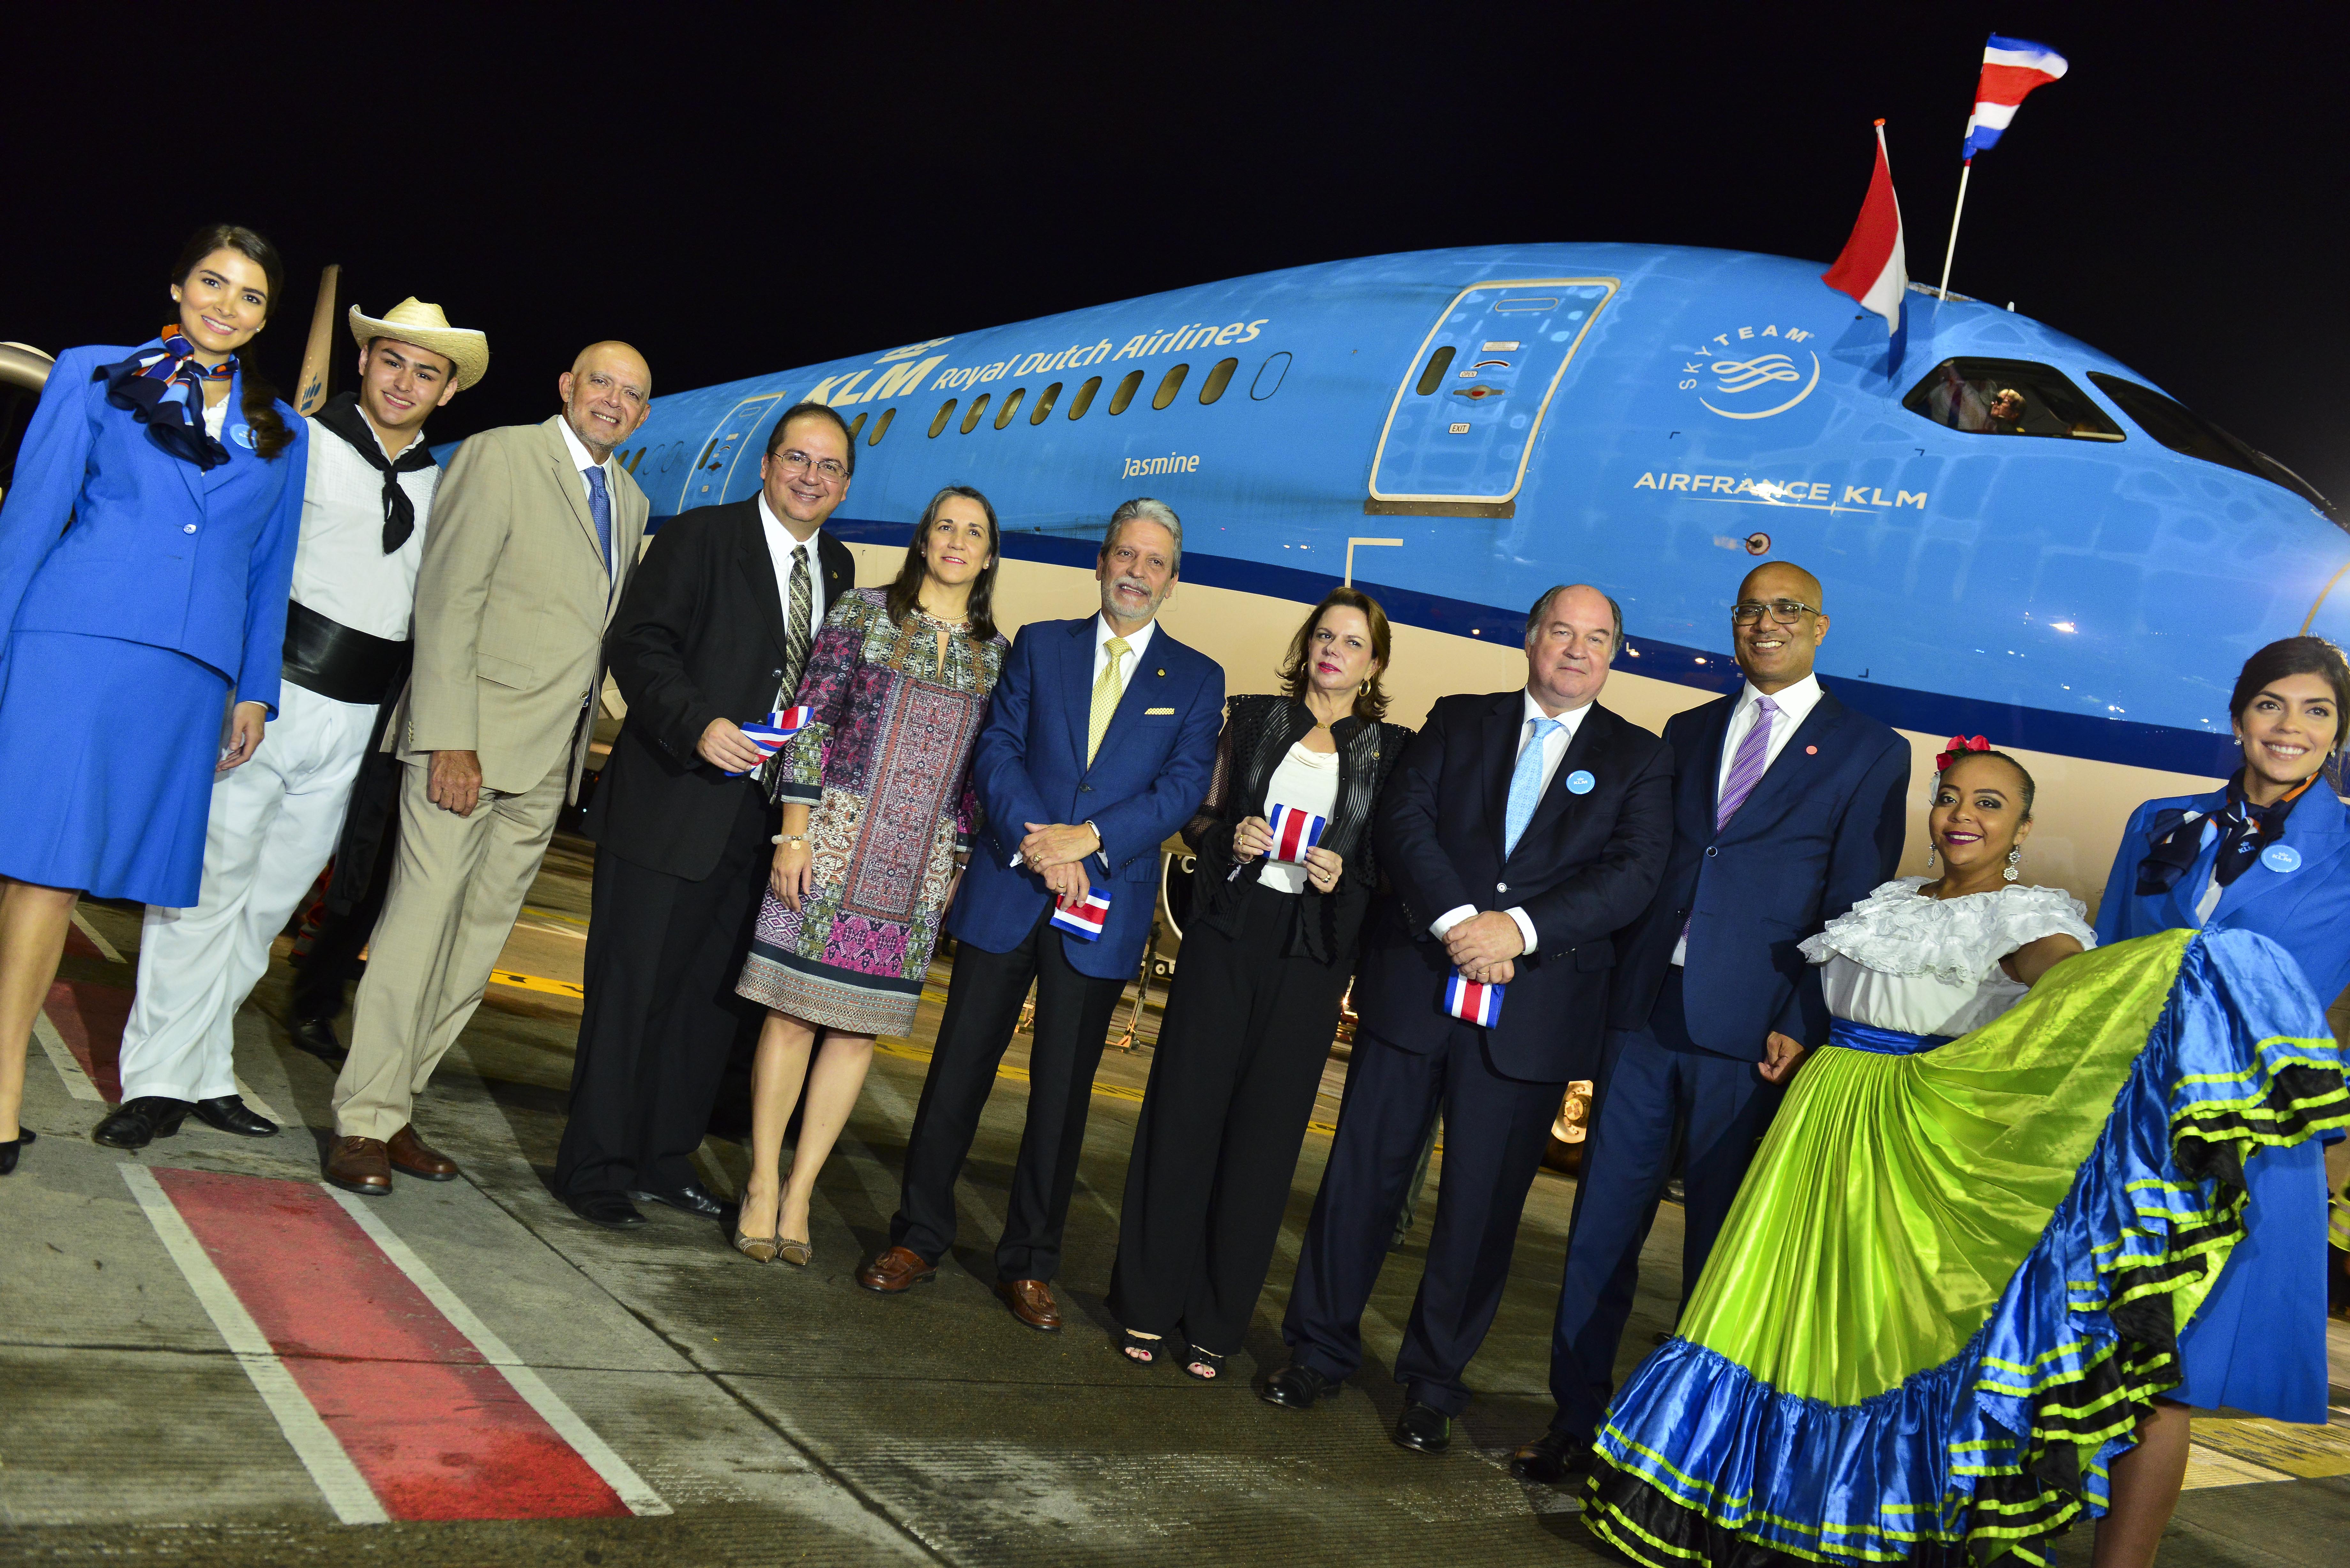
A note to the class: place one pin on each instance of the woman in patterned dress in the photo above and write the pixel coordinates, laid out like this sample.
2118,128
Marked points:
879,814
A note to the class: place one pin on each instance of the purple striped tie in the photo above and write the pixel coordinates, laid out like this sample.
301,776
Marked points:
1746,768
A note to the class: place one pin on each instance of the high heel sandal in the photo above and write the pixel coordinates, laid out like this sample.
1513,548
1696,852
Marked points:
1129,1342
1195,1358
14,1145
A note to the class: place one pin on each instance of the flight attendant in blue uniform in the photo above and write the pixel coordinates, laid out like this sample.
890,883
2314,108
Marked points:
146,555
2270,853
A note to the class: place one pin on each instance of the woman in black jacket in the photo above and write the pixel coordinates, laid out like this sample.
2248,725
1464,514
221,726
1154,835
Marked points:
1255,1000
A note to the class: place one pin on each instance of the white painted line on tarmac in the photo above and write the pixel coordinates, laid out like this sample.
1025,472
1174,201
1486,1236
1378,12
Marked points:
2211,1468
641,1498
107,949
345,1491
61,1057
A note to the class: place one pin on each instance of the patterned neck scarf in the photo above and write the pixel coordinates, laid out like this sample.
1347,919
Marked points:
2245,830
164,391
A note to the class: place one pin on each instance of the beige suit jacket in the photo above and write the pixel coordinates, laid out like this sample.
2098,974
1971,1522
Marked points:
512,599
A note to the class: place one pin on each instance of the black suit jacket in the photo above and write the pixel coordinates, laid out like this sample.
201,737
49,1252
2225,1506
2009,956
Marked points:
1586,865
699,636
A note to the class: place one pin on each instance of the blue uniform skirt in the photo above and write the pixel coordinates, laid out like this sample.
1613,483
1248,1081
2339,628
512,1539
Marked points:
107,752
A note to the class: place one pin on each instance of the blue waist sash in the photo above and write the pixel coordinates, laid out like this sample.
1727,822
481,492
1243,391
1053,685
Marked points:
1854,1036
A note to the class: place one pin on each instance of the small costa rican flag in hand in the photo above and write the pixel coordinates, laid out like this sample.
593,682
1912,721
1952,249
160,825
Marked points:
1085,921
780,726
1472,1002
1294,832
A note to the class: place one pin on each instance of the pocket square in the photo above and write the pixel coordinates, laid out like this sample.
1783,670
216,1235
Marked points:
1153,712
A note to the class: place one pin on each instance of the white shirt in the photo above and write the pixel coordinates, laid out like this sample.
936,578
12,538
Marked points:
1138,643
583,462
1554,744
1307,780
781,548
340,566
1794,704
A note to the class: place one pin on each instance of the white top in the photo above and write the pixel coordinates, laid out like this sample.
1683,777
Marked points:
1308,781
1138,643
781,548
215,418
1554,744
1794,704
340,566
1899,959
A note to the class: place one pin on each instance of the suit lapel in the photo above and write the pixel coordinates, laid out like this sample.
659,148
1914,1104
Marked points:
1505,727
1708,760
573,484
2321,835
1589,738
1078,684
758,564
1792,767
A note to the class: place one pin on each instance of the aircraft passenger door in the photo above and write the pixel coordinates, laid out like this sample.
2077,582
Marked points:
1465,416
706,480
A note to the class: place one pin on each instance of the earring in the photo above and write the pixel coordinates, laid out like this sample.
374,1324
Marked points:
2014,857
1930,855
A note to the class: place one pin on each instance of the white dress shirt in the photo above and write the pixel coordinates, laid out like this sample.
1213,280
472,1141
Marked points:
1554,746
781,548
1794,704
1138,643
583,462
340,569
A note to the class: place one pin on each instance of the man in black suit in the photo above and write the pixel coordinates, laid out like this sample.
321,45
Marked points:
1521,832
715,629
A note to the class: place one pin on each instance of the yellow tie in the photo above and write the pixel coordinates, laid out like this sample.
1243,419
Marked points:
1106,691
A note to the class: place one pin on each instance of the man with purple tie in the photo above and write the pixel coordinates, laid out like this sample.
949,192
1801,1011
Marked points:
1787,810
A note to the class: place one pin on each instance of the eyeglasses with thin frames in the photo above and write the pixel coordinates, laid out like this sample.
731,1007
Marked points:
826,468
1786,612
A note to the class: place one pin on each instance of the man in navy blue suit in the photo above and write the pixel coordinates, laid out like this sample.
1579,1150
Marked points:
1100,738
1519,831
1787,812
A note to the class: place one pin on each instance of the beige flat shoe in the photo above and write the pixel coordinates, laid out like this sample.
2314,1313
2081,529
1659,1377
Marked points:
798,1253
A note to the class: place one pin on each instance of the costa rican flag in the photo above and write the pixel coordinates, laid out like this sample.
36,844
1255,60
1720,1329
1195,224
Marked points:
2011,67
1294,832
1087,919
781,726
1472,1002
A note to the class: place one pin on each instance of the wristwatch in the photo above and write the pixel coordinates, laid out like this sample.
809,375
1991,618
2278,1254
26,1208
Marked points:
789,838
1101,846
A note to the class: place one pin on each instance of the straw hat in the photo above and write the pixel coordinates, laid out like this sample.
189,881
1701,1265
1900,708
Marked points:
413,321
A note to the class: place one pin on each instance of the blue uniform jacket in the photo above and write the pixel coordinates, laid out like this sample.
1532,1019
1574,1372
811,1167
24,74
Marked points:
158,551
1029,765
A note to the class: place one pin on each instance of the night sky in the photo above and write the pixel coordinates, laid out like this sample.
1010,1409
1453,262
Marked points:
738,189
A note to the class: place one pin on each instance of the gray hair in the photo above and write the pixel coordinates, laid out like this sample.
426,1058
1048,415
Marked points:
1534,615
1142,509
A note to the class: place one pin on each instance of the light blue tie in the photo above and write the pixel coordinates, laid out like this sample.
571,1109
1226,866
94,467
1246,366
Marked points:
600,503
1526,784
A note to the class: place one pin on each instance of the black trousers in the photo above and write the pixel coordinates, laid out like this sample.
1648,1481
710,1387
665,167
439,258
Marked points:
1073,1014
332,965
1232,1088
1495,1130
660,1013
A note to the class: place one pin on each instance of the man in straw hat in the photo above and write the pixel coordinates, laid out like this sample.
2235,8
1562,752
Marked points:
365,499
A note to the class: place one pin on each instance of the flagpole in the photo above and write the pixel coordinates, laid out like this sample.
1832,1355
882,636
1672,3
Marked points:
1964,170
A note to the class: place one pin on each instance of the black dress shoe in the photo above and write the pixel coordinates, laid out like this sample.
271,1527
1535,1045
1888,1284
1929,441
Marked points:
687,1200
612,1211
1550,1459
135,1124
1295,1388
1424,1428
230,1114
13,1147
316,1035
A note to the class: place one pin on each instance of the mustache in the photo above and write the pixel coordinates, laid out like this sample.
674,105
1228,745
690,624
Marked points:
1137,584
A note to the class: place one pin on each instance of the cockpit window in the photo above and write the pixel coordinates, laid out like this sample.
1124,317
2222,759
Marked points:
2182,430
2009,397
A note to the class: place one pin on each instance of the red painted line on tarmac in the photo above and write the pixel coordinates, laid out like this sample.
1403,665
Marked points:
89,1019
80,946
438,1433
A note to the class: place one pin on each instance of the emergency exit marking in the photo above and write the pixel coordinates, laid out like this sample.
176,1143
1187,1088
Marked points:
1498,348
1459,430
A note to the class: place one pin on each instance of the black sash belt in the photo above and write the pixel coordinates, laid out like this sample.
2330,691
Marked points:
336,662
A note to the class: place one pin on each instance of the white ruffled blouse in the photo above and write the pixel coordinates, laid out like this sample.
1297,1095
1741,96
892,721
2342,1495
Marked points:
1899,959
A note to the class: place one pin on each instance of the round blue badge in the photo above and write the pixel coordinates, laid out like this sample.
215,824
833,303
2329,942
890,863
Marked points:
241,436
2282,858
1579,782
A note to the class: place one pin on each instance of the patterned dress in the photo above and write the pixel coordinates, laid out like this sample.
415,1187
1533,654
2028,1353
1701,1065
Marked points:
885,764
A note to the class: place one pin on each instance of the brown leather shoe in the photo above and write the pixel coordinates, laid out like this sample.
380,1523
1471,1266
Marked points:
1032,1303
411,1156
897,1269
358,1165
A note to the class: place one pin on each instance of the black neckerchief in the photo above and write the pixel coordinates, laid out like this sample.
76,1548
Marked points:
2245,830
342,416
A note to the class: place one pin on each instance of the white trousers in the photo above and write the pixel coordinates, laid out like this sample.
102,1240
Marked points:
273,825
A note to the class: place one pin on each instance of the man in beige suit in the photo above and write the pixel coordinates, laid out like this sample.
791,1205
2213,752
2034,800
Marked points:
534,533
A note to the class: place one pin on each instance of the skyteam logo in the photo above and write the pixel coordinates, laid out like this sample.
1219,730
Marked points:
1752,373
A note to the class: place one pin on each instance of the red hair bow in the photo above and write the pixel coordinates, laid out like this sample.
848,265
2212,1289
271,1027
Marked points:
1960,746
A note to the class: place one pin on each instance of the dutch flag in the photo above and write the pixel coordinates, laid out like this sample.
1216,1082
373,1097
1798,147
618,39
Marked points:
1086,920
1472,1002
1294,832
2011,67
780,726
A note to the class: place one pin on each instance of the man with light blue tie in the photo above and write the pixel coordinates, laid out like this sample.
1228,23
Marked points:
1519,831
535,531
1788,810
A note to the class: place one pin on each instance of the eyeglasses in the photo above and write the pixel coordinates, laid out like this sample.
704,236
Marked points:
826,470
1786,612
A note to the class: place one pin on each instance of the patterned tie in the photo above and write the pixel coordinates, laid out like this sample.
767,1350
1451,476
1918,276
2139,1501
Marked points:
1746,767
1106,691
1526,784
795,628
600,503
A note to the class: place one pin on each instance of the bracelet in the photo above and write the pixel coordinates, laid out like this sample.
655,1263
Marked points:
789,838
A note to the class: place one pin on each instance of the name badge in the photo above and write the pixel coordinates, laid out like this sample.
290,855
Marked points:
1580,781
2281,858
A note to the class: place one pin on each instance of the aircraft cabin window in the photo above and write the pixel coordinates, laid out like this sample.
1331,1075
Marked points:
2008,396
1010,406
1433,376
1269,376
881,427
977,413
2182,430
1084,398
946,412
1218,380
1043,409
1170,387
857,424
1125,393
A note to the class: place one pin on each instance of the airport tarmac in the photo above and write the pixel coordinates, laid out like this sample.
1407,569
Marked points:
208,1357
